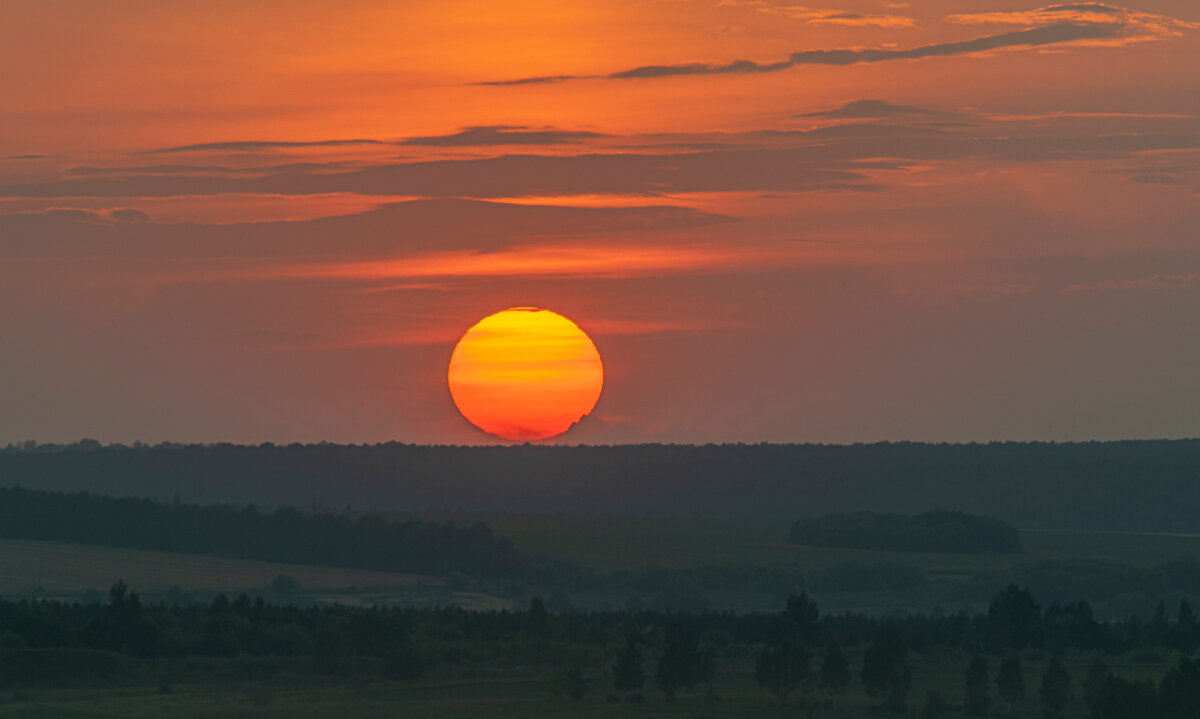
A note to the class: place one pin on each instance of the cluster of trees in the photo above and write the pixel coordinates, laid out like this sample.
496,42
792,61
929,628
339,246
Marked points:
1102,581
1013,622
281,535
797,650
684,588
783,667
1106,695
1134,485
938,530
688,588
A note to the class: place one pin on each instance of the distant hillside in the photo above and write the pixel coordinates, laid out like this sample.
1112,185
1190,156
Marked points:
938,531
1110,486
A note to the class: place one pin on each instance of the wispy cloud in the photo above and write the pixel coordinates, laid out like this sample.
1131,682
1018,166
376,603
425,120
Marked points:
485,135
1082,23
255,145
873,109
543,261
1057,34
391,230
1158,178
505,176
1135,25
1152,283
1006,290
815,16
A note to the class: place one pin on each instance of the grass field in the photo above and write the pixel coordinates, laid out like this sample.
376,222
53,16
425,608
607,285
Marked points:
611,543
59,567
56,569
457,693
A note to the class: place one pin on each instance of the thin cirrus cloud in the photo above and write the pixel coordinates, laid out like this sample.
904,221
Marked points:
1158,178
814,16
258,145
486,135
1136,25
620,261
394,229
873,109
837,158
1086,23
475,136
504,176
1160,282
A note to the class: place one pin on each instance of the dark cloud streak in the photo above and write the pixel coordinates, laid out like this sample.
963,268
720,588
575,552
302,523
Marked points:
873,109
393,229
255,145
1058,33
485,135
506,176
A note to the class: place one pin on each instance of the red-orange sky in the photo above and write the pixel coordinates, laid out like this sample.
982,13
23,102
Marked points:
841,221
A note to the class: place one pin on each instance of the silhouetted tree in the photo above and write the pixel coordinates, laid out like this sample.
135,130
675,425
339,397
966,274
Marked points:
1012,616
683,664
1073,626
1010,682
570,680
1159,628
332,655
835,670
122,626
1185,634
1179,692
975,698
781,670
1092,681
1187,616
1124,699
884,673
628,674
897,697
804,612
1055,690
537,620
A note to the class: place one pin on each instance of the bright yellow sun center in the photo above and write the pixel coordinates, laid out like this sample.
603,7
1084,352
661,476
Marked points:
525,374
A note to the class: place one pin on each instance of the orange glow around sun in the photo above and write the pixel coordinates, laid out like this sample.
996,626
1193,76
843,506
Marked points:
525,374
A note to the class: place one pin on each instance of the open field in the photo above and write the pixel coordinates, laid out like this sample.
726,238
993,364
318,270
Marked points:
954,581
514,693
606,544
62,567
612,543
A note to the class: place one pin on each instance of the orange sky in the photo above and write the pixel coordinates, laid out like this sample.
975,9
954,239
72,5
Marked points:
854,220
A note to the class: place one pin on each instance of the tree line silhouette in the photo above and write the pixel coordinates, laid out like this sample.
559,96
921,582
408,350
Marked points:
798,650
280,535
1109,486
285,534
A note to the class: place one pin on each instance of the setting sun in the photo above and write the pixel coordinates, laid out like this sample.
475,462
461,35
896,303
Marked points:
525,374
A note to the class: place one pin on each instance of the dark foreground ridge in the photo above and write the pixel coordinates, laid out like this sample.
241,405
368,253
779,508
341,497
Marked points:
1109,486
